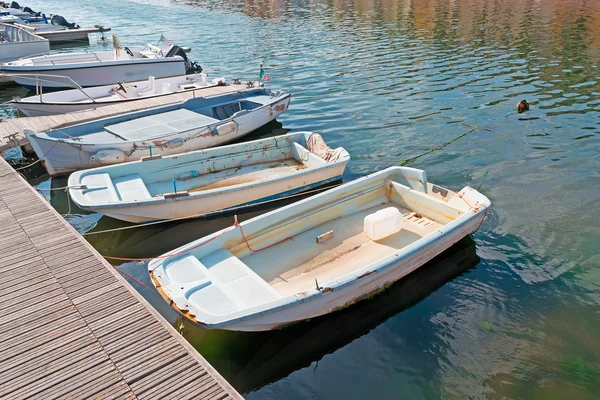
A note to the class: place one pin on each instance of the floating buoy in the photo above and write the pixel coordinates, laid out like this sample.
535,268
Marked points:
522,106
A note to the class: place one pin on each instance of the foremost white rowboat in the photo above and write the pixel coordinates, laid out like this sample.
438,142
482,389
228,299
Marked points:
194,124
66,101
208,181
317,255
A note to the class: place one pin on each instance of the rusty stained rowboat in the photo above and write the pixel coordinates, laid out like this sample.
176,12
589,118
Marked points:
207,181
251,277
194,124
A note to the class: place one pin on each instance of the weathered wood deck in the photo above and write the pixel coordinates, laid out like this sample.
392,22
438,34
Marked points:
72,327
11,130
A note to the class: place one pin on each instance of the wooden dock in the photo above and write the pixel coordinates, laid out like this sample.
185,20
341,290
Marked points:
72,327
11,129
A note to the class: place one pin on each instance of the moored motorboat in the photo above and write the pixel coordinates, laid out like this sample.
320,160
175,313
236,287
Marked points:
208,182
317,255
194,124
101,67
66,101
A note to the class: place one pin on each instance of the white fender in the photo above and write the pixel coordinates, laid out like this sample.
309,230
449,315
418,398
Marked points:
229,127
111,156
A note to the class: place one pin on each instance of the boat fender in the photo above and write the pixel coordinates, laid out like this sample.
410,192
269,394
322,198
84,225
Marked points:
175,143
225,129
112,156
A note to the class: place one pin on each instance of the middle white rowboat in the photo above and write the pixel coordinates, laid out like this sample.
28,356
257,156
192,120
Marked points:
207,181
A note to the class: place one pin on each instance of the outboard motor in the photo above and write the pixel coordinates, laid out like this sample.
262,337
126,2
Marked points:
30,11
58,20
191,67
16,5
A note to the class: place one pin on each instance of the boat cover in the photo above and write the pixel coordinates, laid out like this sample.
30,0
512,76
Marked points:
163,124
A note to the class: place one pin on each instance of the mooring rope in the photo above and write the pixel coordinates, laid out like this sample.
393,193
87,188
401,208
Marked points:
163,221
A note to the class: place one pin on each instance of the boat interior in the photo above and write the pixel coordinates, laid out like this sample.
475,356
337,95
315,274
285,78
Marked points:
197,173
309,244
150,124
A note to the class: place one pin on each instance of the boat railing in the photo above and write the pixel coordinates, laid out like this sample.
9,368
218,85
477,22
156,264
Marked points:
39,79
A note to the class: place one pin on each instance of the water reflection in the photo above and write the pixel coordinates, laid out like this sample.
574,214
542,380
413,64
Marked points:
252,360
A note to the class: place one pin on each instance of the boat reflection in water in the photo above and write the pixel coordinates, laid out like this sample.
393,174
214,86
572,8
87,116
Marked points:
251,360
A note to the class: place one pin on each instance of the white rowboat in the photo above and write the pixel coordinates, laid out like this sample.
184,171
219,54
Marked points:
207,181
317,255
66,101
194,124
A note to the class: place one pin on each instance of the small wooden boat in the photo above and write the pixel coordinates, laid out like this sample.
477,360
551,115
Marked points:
208,181
194,124
66,101
100,67
317,255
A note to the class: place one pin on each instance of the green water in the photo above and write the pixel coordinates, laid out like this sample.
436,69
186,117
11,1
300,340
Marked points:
514,313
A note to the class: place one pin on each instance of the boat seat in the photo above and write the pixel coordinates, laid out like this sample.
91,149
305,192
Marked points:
237,280
218,283
100,188
131,188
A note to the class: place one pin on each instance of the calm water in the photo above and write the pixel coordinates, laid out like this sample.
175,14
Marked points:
514,313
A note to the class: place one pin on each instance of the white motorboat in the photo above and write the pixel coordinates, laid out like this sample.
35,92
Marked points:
207,182
16,42
25,14
66,101
58,30
317,255
100,68
194,124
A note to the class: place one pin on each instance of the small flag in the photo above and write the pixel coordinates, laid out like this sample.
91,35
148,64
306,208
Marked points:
264,76
163,39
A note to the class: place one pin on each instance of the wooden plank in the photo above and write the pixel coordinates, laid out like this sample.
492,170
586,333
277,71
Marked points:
88,332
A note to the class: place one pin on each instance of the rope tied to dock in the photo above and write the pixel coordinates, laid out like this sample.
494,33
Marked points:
236,224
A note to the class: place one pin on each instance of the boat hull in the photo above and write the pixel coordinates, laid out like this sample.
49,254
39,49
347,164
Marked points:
60,157
45,109
97,74
14,51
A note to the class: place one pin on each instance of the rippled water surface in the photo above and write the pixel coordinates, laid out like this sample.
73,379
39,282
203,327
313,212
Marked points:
514,313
